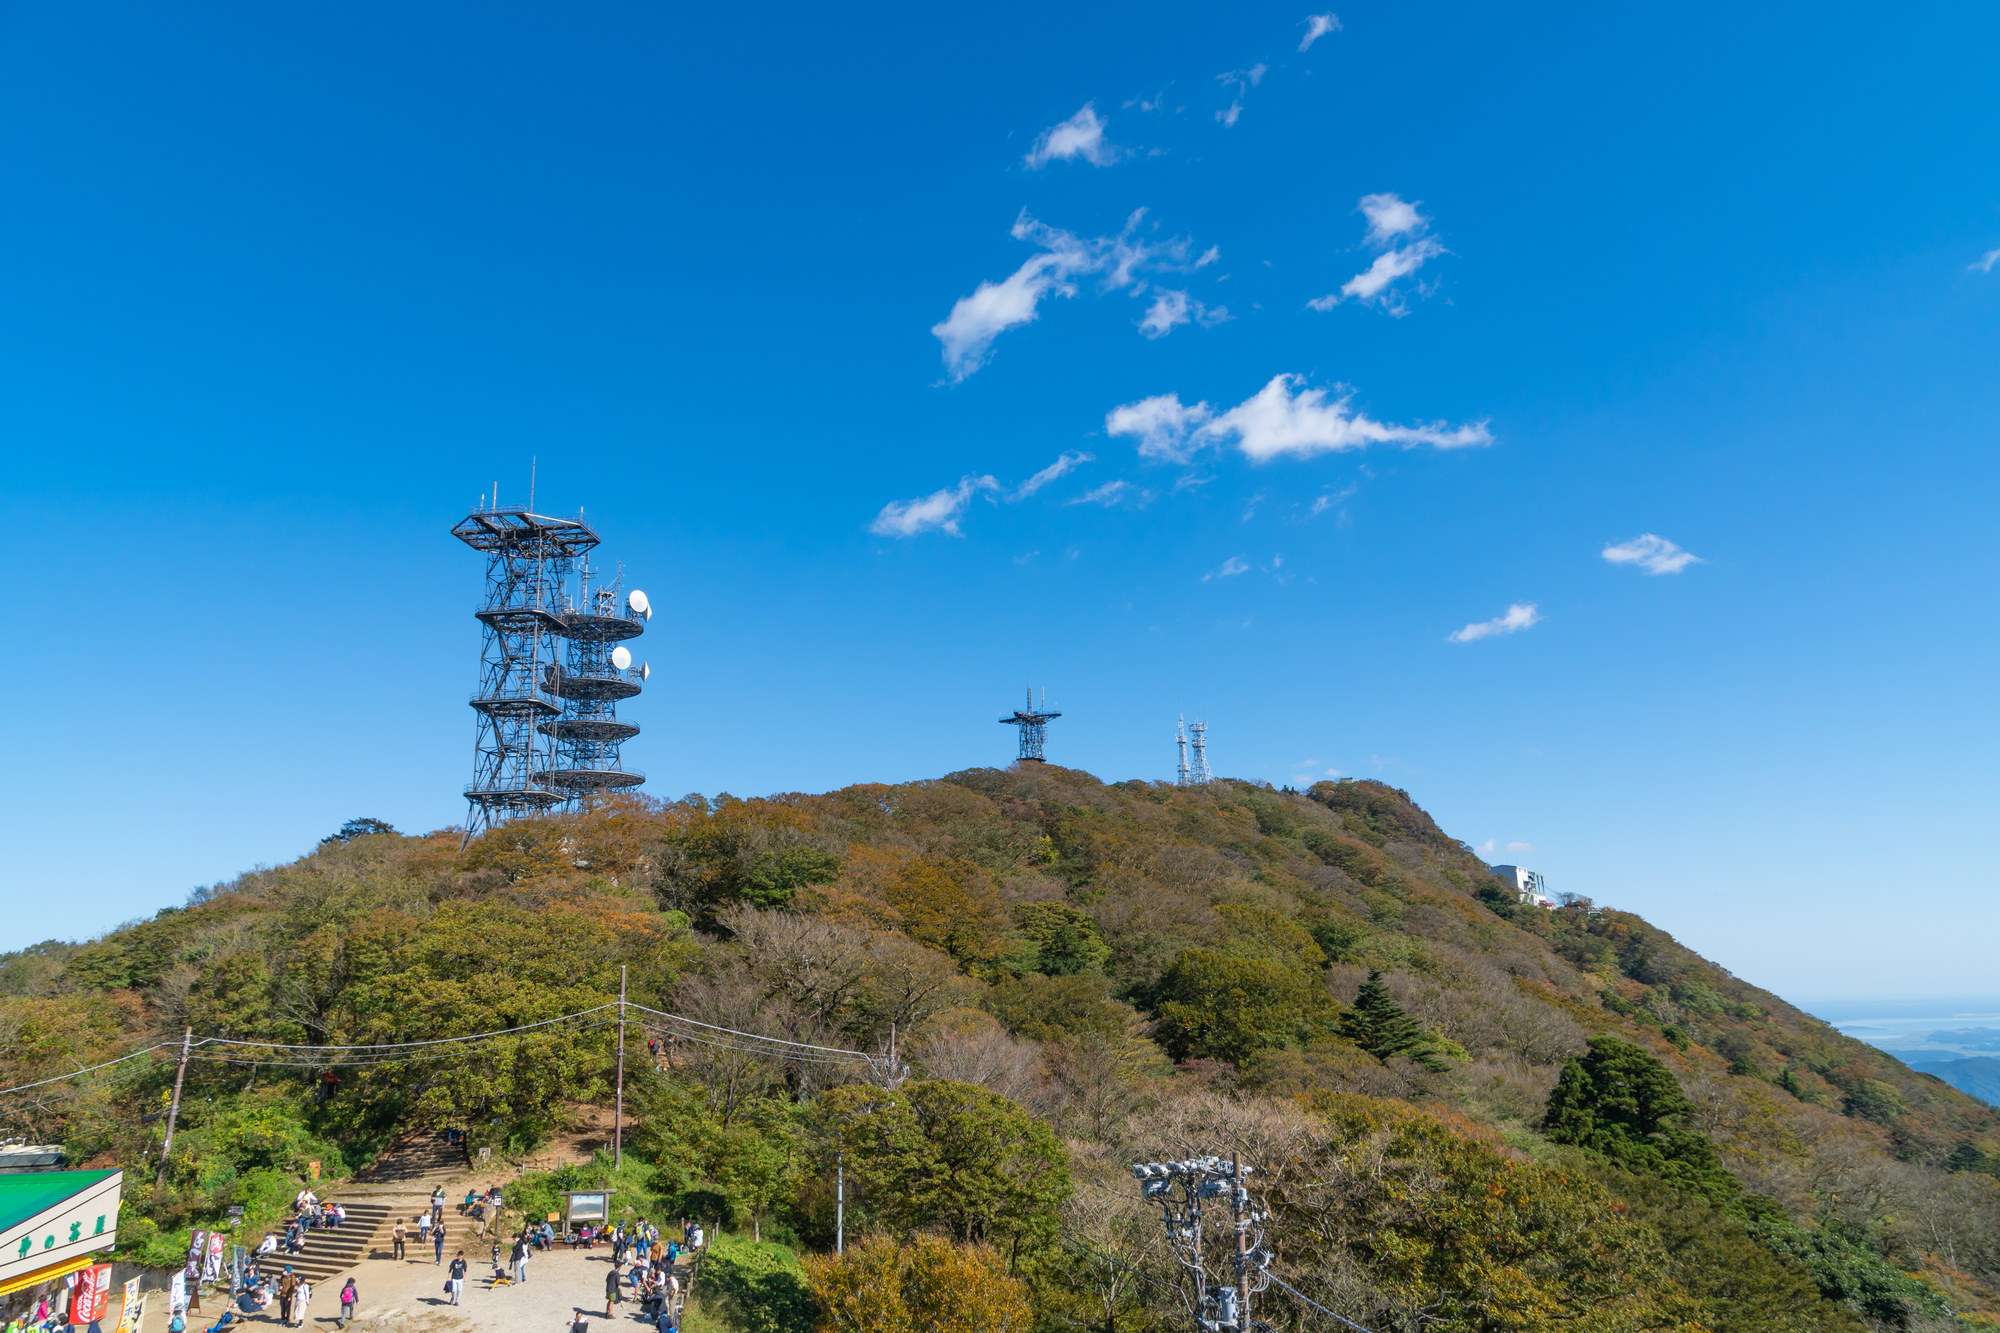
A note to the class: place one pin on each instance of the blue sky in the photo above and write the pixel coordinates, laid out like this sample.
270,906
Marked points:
1150,354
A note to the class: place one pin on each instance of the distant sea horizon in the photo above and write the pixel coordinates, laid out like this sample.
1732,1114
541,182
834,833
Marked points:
1926,1029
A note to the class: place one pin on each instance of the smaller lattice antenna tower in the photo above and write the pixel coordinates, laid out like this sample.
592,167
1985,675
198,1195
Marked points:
1034,725
1183,775
1198,742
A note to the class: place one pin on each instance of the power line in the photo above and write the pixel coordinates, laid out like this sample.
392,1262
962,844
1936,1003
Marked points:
1280,1282
23,1087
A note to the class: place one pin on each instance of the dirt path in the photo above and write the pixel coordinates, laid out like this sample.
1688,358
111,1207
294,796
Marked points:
406,1296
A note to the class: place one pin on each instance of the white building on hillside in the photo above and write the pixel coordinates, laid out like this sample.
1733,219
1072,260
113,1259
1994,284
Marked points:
1528,884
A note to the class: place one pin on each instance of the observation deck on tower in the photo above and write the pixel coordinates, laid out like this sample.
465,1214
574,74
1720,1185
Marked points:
551,667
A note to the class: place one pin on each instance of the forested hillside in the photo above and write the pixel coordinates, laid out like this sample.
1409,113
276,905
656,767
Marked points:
1465,1113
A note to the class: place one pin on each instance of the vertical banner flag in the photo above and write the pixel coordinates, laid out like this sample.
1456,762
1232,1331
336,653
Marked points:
133,1310
212,1269
177,1292
197,1251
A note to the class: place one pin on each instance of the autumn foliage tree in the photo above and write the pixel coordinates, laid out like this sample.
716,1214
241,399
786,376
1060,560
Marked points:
924,1285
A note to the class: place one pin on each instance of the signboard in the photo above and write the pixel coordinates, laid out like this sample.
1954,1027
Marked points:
589,1206
50,1217
91,1295
312,1169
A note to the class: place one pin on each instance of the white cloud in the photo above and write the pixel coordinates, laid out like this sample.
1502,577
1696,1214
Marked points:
1110,493
939,511
1395,226
1390,217
1126,262
1985,262
1284,417
1055,471
1318,26
1519,616
1243,80
1655,555
1171,309
1082,135
1164,426
1522,847
1231,567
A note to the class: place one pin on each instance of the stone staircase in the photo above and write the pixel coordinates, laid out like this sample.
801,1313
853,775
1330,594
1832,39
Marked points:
336,1253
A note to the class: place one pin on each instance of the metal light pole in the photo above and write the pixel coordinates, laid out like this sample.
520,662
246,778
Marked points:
840,1203
618,1112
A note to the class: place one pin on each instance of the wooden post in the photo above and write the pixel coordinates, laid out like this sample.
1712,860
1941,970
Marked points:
174,1108
618,1115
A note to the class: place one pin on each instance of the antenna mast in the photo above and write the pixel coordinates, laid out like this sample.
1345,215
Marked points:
1198,742
1182,775
1034,725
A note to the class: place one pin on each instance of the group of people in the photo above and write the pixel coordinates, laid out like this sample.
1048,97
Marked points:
429,1227
308,1214
289,1291
654,1283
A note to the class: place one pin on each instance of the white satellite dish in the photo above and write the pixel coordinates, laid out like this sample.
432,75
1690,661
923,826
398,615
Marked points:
621,657
637,601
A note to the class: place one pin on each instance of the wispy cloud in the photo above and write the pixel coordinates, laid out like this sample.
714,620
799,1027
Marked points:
1985,262
937,512
1400,232
1082,135
1231,567
1171,309
1055,471
1318,26
1284,417
1519,616
1125,262
1655,555
1110,493
1242,80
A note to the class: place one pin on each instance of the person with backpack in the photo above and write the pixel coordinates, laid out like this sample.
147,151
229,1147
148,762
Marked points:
348,1297
455,1284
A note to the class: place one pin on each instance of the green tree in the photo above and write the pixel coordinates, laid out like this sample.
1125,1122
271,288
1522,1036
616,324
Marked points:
1225,1007
757,1160
1622,1102
1065,938
775,877
926,1285
1378,1025
358,828
936,1153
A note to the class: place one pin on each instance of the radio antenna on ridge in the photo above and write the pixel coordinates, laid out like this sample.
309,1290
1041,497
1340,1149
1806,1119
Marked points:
1034,725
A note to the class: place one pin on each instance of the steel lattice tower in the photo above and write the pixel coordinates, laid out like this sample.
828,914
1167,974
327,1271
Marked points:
597,674
1182,776
1198,742
1034,725
548,731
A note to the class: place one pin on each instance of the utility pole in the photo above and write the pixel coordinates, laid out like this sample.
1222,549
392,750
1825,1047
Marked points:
1219,1305
618,1113
174,1108
840,1203
1239,1215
